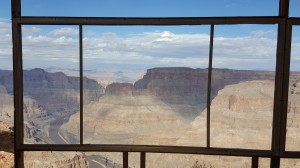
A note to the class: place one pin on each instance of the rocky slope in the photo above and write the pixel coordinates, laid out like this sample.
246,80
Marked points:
6,145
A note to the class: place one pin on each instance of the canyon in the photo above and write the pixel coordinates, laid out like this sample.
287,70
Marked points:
167,106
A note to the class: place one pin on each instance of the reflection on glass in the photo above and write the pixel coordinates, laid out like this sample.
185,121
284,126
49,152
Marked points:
152,85
195,161
293,116
243,86
50,83
153,8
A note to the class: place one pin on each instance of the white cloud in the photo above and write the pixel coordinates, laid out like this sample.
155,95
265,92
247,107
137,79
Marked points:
5,44
64,32
156,48
28,30
261,33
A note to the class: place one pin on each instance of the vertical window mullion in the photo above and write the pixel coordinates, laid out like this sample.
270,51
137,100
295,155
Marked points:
211,45
143,160
125,159
254,162
81,83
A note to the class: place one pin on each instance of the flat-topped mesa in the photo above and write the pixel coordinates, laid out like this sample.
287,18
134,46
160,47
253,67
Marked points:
119,89
173,72
179,85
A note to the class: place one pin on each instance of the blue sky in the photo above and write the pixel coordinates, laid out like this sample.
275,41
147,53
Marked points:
150,8
142,47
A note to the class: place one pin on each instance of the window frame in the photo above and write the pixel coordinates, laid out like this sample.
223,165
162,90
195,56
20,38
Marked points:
277,151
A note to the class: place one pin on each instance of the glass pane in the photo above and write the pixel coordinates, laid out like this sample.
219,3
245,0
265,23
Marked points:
290,163
243,86
294,8
152,84
293,117
153,8
51,94
196,161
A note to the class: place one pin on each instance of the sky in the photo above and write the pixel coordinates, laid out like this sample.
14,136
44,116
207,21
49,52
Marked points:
143,47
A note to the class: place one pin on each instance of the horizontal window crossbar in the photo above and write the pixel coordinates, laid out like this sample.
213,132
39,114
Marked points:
150,149
146,21
294,21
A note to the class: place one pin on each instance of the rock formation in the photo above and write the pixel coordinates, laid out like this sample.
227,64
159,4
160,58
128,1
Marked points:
54,92
119,89
118,119
166,107
177,86
6,145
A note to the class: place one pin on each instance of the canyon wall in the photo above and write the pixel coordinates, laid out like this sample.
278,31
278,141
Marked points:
54,92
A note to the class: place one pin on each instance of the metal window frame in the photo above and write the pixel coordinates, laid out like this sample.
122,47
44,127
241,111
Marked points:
277,150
